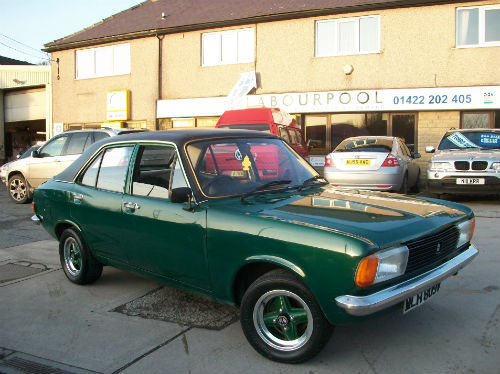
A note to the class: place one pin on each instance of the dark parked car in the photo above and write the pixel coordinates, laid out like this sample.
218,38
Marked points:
198,210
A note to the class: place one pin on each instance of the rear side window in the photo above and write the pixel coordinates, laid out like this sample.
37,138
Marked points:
77,143
100,135
264,127
109,169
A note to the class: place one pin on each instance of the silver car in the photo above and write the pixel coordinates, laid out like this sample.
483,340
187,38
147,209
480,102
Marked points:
381,163
23,175
467,161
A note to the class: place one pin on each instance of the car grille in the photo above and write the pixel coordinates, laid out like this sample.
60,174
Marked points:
429,249
476,165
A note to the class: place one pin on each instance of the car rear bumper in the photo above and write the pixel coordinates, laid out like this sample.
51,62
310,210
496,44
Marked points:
369,304
364,180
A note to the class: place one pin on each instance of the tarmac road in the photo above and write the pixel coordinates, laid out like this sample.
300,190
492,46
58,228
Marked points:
127,324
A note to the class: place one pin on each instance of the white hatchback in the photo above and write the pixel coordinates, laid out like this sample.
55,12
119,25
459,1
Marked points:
381,163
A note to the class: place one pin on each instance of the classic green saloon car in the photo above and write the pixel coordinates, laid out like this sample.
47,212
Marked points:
241,217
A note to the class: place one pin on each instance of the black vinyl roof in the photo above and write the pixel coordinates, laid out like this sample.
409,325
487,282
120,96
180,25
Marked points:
178,137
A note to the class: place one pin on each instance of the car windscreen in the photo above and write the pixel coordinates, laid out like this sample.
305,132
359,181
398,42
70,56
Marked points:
232,167
470,139
365,145
264,127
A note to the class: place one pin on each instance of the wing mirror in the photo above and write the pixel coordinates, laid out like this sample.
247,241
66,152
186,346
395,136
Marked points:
35,154
181,195
417,155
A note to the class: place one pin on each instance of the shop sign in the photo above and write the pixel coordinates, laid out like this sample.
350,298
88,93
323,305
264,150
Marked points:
450,98
117,105
414,100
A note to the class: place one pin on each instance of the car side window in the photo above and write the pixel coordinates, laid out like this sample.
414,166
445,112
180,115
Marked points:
90,176
405,149
113,170
284,135
77,143
54,147
100,135
293,137
153,171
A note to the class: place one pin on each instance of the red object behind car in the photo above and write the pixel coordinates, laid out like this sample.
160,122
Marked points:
272,120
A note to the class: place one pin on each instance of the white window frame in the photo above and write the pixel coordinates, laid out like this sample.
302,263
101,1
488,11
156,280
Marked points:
95,68
481,25
219,56
336,43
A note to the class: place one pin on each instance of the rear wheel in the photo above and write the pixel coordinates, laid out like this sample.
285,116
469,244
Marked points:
404,185
282,320
18,189
77,262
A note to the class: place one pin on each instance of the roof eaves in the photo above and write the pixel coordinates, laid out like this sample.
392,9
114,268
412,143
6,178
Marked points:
59,45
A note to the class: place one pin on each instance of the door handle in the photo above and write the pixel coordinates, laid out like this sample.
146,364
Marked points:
131,205
77,196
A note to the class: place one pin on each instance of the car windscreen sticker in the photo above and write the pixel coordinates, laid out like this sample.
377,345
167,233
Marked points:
489,139
246,163
461,141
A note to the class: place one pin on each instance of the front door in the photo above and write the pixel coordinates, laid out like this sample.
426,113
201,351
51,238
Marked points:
167,240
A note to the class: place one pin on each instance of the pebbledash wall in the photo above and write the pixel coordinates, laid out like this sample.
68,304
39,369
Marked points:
417,84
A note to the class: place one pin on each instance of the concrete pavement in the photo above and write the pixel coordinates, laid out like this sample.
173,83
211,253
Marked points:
50,323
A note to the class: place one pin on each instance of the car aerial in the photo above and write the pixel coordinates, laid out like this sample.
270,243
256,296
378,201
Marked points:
467,161
381,163
5,167
200,210
24,174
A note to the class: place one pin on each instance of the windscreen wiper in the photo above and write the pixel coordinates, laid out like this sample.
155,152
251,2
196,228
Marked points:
307,182
266,186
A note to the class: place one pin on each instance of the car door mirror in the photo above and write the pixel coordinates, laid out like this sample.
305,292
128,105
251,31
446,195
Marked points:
430,149
35,154
181,195
416,155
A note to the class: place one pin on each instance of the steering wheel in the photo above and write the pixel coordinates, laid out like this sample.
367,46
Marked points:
218,185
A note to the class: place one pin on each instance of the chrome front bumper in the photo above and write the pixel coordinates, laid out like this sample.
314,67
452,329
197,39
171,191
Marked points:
365,305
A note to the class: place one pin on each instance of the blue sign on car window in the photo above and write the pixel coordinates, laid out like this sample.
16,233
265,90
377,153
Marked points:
489,139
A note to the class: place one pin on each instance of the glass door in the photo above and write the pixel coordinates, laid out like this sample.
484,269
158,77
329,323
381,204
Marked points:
403,126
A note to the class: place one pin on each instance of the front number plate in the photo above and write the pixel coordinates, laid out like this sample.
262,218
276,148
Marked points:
470,180
415,301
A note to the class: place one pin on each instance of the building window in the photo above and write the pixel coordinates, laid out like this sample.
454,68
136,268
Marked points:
228,47
103,61
348,36
477,120
478,26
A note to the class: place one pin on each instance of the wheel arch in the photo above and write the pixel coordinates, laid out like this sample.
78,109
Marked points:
62,226
255,267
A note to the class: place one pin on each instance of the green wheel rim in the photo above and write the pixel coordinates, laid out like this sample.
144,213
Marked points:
283,320
72,257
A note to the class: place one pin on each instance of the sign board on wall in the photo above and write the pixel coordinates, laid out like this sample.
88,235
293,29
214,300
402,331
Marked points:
58,128
117,105
414,100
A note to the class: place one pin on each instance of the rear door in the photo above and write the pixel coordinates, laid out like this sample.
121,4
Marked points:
97,203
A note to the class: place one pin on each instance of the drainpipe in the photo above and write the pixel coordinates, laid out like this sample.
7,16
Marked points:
160,66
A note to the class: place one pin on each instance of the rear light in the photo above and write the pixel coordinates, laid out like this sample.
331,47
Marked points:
328,160
391,161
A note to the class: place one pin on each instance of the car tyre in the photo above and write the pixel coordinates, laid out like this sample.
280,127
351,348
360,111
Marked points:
77,262
18,189
404,185
282,320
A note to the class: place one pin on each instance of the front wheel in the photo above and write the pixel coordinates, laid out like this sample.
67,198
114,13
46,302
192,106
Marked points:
77,262
282,320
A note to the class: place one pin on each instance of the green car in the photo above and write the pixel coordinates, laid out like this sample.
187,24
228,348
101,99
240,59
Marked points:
241,217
